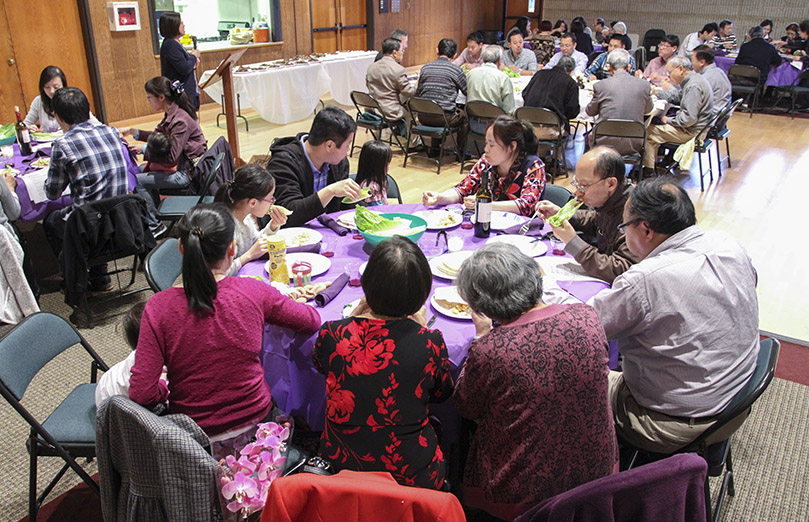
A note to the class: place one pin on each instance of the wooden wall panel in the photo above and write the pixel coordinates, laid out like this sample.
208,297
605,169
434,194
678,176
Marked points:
427,22
126,59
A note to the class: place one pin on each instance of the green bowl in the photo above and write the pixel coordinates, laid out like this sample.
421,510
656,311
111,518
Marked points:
415,221
8,141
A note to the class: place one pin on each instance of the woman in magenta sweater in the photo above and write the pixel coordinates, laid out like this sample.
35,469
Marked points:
208,334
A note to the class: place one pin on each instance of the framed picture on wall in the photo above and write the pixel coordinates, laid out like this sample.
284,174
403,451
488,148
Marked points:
123,16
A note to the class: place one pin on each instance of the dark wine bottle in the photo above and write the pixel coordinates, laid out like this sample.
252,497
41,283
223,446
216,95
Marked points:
23,135
483,206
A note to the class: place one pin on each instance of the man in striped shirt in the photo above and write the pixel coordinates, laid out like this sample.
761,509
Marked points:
440,81
725,39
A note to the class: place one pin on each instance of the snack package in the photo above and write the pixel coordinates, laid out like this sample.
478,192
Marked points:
277,250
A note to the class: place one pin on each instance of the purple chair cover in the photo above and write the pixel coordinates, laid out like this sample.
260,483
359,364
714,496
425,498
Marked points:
325,297
670,490
328,221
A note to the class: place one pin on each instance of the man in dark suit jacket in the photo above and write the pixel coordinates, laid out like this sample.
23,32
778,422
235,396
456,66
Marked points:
311,170
554,89
759,53
621,96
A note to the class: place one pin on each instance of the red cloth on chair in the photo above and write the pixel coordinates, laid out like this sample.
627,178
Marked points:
353,495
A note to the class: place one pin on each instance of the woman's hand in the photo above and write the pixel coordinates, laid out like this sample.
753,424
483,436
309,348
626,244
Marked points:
258,249
429,198
469,202
483,324
279,219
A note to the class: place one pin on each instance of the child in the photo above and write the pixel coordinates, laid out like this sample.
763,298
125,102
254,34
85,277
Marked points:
115,381
372,171
250,195
159,147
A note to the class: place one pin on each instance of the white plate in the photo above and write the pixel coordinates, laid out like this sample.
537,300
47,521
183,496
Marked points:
453,259
299,236
449,293
504,220
433,218
347,220
526,244
362,267
347,309
320,264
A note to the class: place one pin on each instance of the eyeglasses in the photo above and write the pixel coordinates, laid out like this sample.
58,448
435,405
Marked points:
622,226
270,201
583,188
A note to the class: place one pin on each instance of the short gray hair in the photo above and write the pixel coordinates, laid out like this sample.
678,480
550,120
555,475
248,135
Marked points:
490,54
619,28
618,59
500,282
756,32
567,63
680,61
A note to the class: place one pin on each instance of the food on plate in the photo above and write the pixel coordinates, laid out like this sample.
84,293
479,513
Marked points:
300,239
365,193
41,163
302,294
373,223
285,210
511,73
7,131
565,212
45,136
455,308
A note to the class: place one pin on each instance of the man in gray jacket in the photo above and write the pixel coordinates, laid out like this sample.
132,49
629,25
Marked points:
696,110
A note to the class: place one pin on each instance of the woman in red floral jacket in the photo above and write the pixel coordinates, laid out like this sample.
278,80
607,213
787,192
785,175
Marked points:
516,174
382,368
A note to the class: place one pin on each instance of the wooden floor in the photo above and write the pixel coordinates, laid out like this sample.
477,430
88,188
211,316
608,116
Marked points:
758,201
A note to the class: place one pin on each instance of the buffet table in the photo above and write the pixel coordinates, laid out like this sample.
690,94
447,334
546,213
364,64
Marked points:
287,357
284,93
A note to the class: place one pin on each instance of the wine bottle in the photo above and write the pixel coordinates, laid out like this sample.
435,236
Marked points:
23,135
483,206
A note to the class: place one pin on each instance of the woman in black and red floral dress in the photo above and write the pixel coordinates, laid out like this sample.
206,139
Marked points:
382,368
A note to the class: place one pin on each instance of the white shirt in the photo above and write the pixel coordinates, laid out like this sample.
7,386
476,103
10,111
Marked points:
580,57
115,381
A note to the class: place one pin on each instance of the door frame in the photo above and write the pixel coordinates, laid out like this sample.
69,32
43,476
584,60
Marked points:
92,59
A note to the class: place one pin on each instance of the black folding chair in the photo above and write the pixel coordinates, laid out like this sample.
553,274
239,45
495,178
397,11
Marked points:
640,57
651,40
719,132
426,106
172,208
393,188
557,194
627,129
69,430
746,79
794,90
481,113
543,119
370,117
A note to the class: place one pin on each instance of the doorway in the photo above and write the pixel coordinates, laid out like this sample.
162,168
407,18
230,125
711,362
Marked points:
338,25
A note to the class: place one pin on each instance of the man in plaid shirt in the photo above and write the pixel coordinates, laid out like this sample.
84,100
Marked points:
90,159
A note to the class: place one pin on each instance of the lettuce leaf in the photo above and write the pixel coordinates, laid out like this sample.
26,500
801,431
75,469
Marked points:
565,212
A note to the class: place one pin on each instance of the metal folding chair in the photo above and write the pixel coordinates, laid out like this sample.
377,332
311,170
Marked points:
426,106
746,79
480,112
628,129
542,118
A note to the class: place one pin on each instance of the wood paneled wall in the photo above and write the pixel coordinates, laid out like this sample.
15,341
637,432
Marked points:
427,22
126,59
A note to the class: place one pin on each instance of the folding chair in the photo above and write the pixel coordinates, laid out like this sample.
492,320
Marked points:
714,444
543,119
426,106
651,40
557,194
69,431
627,129
794,90
481,113
746,79
163,265
720,132
172,208
592,56
702,144
640,57
393,187
370,116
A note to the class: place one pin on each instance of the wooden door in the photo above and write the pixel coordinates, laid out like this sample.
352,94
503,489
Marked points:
10,88
60,44
325,26
353,25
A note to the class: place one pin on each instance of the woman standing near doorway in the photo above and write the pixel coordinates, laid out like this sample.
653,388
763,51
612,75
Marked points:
175,62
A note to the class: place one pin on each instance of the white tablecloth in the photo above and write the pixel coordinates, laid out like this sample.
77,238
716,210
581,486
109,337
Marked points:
291,93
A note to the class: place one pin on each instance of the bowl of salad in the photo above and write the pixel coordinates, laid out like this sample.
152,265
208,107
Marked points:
376,228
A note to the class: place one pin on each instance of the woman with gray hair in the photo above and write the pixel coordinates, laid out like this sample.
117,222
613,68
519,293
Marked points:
536,385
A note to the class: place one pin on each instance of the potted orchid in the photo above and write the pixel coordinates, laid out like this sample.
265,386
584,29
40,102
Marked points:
247,480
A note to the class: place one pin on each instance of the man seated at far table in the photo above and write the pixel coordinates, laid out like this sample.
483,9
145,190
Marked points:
621,96
397,34
567,46
598,70
440,81
488,83
600,182
692,40
517,58
759,53
387,82
724,39
311,169
655,71
703,62
554,89
685,318
696,110
91,160
472,55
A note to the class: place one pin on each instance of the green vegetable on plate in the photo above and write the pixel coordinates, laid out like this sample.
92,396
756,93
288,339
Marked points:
511,73
565,212
7,131
368,221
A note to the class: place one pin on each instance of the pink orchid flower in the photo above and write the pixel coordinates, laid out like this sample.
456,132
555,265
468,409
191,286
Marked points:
241,489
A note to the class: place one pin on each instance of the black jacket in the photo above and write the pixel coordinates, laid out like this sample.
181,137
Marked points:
101,231
761,55
553,89
294,182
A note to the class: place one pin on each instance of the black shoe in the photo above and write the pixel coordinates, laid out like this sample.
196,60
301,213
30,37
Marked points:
416,149
101,286
160,231
433,152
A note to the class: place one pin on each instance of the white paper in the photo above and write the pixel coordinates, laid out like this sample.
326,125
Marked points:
35,183
798,65
563,269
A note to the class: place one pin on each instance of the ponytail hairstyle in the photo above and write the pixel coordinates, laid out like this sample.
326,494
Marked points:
249,181
206,232
508,129
173,91
374,158
49,73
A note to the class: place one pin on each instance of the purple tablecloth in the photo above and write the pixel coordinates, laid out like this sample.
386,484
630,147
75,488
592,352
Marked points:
296,386
780,76
30,211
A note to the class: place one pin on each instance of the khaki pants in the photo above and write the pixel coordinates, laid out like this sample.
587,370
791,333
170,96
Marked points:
658,134
647,429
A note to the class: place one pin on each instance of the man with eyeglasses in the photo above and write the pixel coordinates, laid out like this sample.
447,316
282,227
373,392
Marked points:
685,318
600,182
655,70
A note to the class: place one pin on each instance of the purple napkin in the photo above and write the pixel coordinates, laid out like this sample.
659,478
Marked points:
324,297
315,248
535,229
329,222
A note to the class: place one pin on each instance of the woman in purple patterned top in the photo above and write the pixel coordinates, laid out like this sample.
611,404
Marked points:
536,386
516,174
